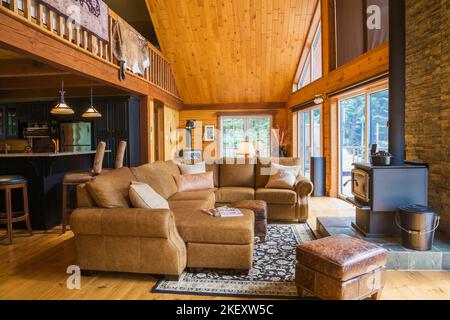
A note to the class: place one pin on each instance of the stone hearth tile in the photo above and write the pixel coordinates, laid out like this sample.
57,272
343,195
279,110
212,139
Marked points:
446,261
425,260
398,260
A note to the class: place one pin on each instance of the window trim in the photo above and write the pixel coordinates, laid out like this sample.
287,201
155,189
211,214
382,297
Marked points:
311,131
245,116
366,91
316,21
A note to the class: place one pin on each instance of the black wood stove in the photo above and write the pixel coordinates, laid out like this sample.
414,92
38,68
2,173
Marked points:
380,190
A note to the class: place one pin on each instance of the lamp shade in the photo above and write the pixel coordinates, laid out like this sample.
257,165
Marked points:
91,112
246,148
62,109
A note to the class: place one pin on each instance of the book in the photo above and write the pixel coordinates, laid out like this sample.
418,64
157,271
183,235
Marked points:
224,212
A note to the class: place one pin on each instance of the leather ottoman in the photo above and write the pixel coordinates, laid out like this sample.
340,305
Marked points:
340,267
259,208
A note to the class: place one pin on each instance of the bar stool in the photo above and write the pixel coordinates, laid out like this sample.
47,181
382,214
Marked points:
9,183
120,155
76,178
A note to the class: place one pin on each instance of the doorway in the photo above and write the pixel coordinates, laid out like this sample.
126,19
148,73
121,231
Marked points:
158,119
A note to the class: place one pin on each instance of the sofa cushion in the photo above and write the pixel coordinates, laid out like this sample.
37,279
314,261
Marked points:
187,206
143,196
214,167
194,195
283,179
200,227
192,168
159,176
262,168
276,196
237,175
110,190
194,182
233,194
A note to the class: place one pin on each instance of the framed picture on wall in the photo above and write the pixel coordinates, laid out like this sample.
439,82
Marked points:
209,133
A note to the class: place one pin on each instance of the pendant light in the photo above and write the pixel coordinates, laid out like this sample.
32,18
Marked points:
91,112
62,108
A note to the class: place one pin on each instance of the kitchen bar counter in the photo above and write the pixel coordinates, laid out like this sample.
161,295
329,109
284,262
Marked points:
45,154
45,173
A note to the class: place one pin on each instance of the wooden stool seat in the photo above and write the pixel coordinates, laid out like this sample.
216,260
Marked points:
9,183
10,180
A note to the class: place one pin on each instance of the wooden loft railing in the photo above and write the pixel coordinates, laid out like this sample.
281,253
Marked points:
52,23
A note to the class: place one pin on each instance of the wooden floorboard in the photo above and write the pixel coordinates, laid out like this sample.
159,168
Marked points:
35,268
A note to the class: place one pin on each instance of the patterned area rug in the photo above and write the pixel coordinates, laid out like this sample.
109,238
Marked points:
272,275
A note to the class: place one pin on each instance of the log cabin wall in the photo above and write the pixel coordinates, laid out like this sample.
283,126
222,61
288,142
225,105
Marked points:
212,117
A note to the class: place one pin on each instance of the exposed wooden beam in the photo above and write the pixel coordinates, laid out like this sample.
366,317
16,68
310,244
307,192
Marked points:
42,82
235,106
53,94
27,68
367,66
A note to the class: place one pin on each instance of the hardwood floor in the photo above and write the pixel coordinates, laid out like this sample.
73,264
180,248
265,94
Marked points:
35,268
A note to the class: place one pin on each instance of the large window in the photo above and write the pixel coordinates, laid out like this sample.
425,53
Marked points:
363,120
310,66
238,129
309,137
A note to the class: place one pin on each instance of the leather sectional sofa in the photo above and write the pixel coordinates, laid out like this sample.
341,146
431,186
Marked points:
161,241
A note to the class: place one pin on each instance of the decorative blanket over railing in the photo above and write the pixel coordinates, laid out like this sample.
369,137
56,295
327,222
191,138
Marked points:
130,48
89,14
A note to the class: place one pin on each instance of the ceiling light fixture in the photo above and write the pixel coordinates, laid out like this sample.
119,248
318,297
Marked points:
62,108
319,99
91,112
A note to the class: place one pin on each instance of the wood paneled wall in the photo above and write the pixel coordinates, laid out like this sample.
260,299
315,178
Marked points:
171,123
212,117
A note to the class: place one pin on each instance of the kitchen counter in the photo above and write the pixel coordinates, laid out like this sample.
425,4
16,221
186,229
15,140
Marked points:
47,154
45,173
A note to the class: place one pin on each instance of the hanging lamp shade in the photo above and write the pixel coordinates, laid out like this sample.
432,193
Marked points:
62,108
91,112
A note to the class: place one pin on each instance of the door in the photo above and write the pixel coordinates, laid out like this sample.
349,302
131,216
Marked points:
159,130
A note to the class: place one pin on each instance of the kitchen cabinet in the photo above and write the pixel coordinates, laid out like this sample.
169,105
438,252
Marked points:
2,123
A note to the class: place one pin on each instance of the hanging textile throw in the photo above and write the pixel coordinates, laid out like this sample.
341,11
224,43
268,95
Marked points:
91,15
130,48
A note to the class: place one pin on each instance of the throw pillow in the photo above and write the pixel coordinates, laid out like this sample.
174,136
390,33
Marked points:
110,190
192,168
275,168
283,179
143,196
192,182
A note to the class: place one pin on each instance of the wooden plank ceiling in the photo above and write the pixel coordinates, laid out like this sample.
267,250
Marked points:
232,51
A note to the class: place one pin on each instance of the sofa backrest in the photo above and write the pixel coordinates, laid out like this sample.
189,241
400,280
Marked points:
110,190
159,175
262,168
233,173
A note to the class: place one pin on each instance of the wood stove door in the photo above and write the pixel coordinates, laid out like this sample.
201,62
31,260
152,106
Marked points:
361,185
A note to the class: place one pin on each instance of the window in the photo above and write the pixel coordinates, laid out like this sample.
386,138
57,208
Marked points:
237,129
363,121
309,136
310,67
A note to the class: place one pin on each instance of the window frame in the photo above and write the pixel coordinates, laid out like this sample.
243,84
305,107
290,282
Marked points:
366,91
300,148
246,118
315,26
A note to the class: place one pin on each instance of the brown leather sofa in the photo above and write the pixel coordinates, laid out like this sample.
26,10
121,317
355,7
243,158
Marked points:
119,238
247,181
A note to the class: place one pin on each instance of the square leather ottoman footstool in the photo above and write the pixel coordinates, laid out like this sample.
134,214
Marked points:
340,267
259,208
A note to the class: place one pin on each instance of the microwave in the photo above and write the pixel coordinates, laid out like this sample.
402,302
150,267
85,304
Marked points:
361,185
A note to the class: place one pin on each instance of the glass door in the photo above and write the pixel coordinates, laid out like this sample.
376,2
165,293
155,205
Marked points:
309,137
363,121
352,146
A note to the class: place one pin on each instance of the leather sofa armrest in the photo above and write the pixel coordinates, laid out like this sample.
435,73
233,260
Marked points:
304,187
123,222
